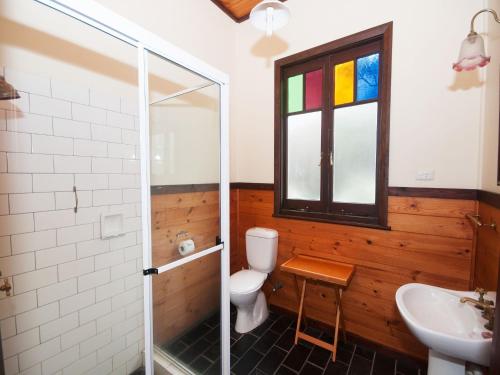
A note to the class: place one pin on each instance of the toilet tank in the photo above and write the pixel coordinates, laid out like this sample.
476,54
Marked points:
262,249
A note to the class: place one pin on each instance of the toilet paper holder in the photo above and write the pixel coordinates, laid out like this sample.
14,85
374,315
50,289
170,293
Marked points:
182,235
185,243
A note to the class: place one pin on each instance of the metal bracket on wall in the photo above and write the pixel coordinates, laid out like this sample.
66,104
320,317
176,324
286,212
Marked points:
150,271
218,241
76,200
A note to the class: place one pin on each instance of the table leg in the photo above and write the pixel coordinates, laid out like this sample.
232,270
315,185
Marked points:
342,321
300,311
298,293
339,321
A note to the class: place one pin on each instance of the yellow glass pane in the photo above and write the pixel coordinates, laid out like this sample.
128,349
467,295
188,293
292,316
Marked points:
344,83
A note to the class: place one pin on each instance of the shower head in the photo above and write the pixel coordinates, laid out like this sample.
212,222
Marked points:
7,91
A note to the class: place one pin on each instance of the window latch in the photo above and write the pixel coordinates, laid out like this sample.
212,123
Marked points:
331,159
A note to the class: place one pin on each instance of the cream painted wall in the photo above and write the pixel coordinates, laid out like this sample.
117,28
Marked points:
435,113
184,139
197,26
489,149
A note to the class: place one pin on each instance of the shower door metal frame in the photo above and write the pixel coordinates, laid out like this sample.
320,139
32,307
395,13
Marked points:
101,18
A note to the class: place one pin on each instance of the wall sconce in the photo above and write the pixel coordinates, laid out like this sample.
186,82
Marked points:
7,92
472,53
269,15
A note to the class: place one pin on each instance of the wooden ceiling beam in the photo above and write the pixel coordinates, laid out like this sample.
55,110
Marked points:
238,10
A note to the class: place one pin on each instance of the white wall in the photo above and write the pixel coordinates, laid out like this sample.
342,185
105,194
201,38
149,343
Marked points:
197,26
185,139
435,113
489,147
77,302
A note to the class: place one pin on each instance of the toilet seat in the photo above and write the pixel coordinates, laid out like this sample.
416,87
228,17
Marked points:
246,281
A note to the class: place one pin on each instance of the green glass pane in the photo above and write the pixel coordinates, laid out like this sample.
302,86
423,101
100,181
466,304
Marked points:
295,93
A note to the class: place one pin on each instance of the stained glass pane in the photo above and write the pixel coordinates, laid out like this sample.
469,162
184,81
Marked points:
295,93
344,83
367,77
314,89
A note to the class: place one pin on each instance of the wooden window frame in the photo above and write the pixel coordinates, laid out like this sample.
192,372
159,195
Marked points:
377,39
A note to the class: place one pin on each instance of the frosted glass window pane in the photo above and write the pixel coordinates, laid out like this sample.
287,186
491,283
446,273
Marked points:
355,153
304,155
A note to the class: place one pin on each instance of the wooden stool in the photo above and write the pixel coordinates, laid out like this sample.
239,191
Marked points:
339,275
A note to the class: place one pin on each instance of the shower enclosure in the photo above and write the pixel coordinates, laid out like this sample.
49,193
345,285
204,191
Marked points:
184,135
184,196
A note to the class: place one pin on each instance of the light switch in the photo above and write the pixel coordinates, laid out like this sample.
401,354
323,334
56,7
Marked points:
425,175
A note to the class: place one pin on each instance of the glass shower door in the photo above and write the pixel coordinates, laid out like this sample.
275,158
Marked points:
185,213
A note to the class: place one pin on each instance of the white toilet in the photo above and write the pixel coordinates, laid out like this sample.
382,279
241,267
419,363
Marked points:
250,301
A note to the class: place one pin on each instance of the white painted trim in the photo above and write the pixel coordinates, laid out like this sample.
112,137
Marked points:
180,262
142,68
182,92
169,364
225,234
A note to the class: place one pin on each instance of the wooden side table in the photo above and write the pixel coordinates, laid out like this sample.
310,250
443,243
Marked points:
339,275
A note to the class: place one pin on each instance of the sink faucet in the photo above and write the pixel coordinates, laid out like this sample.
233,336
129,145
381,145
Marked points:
483,304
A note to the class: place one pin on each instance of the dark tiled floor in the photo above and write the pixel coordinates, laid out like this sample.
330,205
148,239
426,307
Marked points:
269,349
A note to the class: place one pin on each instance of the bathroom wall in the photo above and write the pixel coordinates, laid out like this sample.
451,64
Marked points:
76,303
488,245
185,139
430,242
435,113
488,241
77,299
197,26
188,294
491,110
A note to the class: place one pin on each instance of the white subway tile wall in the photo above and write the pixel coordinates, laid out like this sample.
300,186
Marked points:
76,303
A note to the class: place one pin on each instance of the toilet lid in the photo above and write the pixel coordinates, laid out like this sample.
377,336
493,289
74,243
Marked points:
246,281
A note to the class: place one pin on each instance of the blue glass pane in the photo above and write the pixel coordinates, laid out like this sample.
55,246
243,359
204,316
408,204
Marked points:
367,77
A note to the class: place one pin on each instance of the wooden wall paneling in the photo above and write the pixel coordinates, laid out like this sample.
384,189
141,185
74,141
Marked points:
495,347
487,249
190,293
184,296
195,213
430,242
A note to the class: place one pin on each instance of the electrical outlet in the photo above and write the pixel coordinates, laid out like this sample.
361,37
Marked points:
425,175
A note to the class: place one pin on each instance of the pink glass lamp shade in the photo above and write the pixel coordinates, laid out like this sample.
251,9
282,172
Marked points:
472,54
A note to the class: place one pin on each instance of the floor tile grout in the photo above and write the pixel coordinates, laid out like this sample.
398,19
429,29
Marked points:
249,358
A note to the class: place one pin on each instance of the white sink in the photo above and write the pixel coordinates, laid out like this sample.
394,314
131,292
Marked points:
453,331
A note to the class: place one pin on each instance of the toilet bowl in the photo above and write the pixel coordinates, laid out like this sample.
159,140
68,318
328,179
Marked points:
245,285
249,300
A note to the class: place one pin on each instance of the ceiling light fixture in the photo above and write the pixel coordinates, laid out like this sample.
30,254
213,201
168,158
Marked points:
472,53
269,15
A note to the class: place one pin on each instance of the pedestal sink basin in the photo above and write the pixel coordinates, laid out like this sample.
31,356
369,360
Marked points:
453,331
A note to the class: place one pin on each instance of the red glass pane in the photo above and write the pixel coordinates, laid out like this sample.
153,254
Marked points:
314,89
